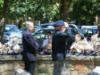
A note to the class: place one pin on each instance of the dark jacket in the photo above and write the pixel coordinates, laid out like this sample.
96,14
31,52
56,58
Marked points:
30,47
59,43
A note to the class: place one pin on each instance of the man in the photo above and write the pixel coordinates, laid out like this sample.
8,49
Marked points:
47,43
96,35
95,40
81,45
59,43
30,47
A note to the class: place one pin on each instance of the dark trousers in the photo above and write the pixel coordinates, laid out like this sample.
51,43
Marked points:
30,67
58,65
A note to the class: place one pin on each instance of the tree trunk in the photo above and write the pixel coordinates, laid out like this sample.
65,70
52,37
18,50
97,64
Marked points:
4,15
97,20
64,7
5,8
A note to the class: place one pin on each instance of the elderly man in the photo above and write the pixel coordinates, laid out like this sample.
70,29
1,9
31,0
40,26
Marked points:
30,47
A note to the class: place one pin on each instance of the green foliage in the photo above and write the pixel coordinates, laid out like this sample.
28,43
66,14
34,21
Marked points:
1,3
37,9
84,11
1,6
81,11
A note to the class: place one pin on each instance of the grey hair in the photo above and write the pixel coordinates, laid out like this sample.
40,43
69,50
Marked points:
29,23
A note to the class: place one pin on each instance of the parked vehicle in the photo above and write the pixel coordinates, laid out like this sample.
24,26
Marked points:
88,31
10,32
48,27
73,30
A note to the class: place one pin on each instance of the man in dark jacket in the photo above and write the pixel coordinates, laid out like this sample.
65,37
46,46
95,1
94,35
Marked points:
59,43
30,47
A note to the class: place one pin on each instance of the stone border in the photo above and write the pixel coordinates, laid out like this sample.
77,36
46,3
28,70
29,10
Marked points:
48,57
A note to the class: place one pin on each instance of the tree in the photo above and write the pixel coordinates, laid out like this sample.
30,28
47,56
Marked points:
84,11
64,8
4,16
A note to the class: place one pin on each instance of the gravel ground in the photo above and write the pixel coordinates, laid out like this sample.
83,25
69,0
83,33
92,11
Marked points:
46,68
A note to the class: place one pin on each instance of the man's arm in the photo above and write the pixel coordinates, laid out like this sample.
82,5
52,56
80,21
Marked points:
31,41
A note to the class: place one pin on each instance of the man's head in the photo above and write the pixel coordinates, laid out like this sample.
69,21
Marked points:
79,37
60,26
30,26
